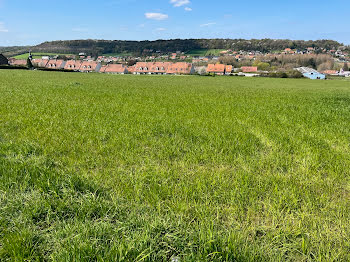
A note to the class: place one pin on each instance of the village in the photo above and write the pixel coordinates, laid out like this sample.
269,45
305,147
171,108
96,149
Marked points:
311,63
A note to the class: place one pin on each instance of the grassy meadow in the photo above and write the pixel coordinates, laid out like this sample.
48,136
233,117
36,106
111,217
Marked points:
37,55
118,54
205,52
162,168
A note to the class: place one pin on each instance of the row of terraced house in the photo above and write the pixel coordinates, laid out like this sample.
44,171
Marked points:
138,68
177,68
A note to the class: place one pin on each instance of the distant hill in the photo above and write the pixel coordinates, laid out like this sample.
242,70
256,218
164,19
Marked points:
99,47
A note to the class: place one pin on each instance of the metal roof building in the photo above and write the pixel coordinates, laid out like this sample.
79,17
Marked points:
310,73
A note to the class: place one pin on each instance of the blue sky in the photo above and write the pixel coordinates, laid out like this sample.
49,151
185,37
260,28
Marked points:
28,22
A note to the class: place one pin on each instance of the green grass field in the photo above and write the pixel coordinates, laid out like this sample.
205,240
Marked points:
148,168
205,52
118,54
37,55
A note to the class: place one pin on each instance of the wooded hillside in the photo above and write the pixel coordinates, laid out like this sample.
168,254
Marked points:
98,47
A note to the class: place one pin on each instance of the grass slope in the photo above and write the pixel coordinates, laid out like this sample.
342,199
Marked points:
118,54
36,55
205,52
145,168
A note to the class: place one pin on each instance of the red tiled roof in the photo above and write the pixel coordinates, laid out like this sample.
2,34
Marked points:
228,69
131,69
249,69
216,68
88,66
114,68
40,62
180,68
19,62
162,67
55,64
151,67
72,65
329,72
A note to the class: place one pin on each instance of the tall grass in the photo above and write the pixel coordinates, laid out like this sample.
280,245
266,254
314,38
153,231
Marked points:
148,168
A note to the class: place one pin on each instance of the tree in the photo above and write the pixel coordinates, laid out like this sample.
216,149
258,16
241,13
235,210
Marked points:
29,63
261,65
131,62
346,67
312,63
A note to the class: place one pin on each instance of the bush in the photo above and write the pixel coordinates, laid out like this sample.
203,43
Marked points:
295,74
281,74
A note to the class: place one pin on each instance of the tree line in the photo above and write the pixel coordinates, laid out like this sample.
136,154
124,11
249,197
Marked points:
138,48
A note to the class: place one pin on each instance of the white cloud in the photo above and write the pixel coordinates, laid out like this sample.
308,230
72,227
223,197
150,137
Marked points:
188,9
178,3
156,16
208,24
3,29
160,29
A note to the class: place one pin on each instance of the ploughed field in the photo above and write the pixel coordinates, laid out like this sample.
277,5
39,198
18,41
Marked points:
157,168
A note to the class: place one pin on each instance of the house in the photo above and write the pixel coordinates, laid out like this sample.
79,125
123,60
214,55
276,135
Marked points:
330,72
55,64
249,69
40,62
142,68
159,67
151,67
344,73
114,69
228,69
103,68
217,69
131,69
90,66
73,65
3,60
181,68
19,62
173,56
310,73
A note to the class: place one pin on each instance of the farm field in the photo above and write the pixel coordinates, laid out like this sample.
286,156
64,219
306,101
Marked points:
98,167
118,54
205,52
36,55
